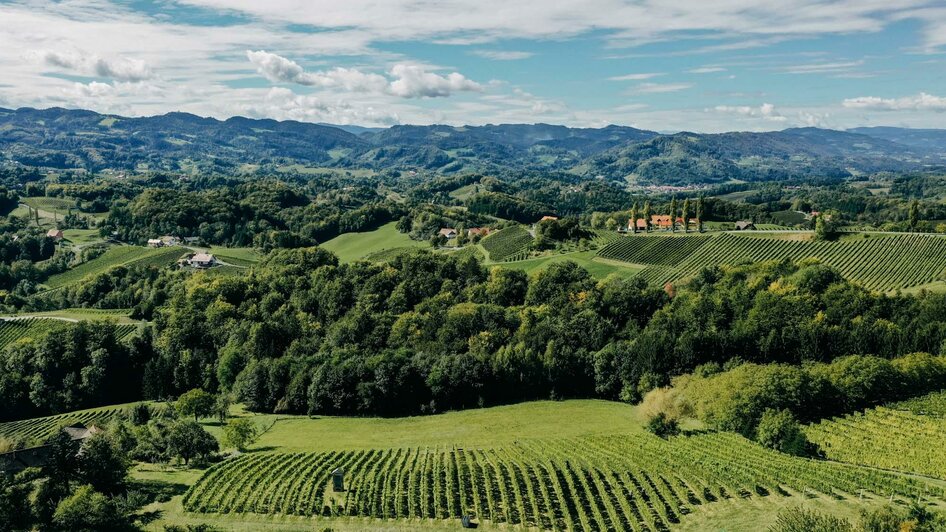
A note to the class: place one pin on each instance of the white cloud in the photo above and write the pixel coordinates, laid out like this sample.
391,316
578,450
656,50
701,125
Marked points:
409,81
659,88
920,102
706,70
766,111
502,55
636,77
412,81
119,68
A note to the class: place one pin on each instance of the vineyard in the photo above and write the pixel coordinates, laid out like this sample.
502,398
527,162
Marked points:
38,429
512,243
888,438
13,329
117,256
879,262
623,482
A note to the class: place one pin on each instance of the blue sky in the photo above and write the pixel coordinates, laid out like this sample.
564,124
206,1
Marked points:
689,65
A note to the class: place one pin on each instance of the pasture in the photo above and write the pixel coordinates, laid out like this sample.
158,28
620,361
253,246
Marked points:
354,246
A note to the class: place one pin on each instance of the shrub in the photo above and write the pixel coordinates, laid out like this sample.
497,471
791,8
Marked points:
87,509
779,430
663,425
801,520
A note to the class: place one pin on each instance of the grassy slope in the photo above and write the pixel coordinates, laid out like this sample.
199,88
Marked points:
353,246
479,428
600,268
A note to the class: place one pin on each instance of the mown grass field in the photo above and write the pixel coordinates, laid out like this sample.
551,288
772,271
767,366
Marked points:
354,246
570,465
242,257
116,256
880,262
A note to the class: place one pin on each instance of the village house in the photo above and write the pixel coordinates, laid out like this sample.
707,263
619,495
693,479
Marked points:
14,461
448,233
745,225
55,234
474,231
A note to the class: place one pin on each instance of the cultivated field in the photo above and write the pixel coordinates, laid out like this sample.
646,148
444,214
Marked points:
117,256
879,262
13,329
512,243
908,437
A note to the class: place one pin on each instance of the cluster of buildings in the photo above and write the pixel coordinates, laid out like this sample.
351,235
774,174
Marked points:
13,461
450,233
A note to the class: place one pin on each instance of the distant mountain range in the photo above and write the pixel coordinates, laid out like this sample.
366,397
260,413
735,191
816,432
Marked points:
180,142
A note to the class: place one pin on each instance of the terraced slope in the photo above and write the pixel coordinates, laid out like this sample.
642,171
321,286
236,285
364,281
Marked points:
12,330
626,482
880,262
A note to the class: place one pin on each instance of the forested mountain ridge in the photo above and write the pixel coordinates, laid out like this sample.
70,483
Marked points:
181,142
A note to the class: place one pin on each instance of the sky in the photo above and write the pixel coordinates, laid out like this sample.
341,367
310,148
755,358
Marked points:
693,65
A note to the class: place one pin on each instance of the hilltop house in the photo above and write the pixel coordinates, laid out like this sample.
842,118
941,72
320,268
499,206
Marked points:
448,233
201,261
55,234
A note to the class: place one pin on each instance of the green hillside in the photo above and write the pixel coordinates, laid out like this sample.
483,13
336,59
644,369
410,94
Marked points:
353,246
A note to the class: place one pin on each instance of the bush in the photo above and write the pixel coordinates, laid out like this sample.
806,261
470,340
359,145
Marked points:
779,430
239,433
801,520
663,425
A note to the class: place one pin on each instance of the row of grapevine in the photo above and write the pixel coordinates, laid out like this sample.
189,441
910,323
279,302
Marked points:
509,244
656,250
883,262
886,438
116,256
626,482
38,429
933,404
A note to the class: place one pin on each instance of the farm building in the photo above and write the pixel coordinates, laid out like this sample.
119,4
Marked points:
163,241
660,221
744,225
55,234
481,231
201,261
544,218
448,233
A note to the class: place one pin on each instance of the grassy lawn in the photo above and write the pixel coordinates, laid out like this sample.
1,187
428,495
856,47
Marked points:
82,236
598,267
353,246
237,256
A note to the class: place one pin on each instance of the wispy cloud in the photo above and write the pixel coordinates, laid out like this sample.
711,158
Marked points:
823,68
659,88
920,102
636,77
706,70
503,55
766,111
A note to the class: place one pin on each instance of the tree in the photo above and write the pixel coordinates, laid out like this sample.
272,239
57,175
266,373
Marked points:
686,215
779,430
239,433
672,211
824,229
699,213
634,217
197,403
187,439
222,407
102,464
647,216
914,214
